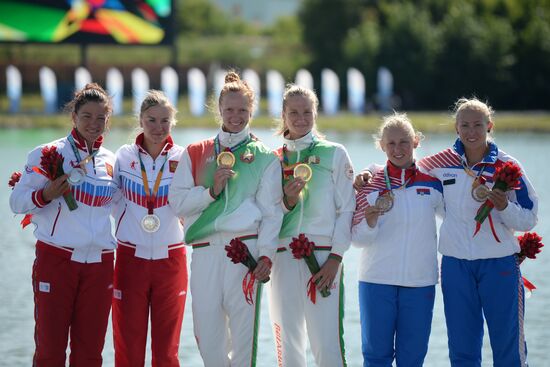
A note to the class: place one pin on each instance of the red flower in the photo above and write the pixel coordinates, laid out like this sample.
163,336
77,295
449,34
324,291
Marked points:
509,174
14,179
506,177
237,251
51,166
530,244
302,247
51,162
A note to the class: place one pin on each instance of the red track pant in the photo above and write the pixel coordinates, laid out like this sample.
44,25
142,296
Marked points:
70,298
142,285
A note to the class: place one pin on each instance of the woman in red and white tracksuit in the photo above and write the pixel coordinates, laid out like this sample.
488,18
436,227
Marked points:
394,224
73,270
151,266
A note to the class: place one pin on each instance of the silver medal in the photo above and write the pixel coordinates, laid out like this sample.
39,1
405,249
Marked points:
76,176
150,223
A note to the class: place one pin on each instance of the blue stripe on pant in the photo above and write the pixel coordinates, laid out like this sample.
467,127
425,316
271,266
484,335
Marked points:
490,288
395,322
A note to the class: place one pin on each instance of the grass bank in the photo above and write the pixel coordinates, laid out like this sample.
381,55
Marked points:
427,122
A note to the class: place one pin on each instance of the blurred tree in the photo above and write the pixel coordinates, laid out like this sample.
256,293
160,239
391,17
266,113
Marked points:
410,44
326,24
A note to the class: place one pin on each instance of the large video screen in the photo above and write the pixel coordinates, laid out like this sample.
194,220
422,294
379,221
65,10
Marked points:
141,22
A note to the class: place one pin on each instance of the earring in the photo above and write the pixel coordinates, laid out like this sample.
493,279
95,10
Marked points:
488,130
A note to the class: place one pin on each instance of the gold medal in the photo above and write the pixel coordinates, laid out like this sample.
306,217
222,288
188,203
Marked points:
150,223
226,159
480,192
384,202
303,171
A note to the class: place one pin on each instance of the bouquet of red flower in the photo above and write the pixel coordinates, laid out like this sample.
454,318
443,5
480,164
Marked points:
238,252
303,248
530,245
14,179
51,166
506,177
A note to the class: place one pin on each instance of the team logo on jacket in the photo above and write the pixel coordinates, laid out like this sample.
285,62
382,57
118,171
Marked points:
109,169
73,163
423,191
28,169
172,165
313,159
133,165
247,157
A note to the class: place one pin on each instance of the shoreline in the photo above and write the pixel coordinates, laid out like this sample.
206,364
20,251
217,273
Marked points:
427,122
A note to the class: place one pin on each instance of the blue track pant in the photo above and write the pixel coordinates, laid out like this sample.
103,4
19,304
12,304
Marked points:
490,288
395,323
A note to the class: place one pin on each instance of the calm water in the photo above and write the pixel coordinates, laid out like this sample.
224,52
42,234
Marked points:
17,254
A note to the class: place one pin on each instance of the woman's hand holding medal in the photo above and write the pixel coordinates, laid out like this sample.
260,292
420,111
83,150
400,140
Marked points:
371,215
225,162
292,190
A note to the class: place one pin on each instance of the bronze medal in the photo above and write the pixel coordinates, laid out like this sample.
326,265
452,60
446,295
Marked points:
384,202
480,192
303,171
226,159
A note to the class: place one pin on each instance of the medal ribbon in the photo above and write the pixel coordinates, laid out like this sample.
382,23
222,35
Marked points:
470,172
217,146
150,196
81,162
388,182
288,169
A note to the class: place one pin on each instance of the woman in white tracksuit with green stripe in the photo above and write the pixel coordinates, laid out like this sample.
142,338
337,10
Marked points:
239,198
321,208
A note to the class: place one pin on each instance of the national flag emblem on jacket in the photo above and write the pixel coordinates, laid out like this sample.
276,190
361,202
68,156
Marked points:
423,191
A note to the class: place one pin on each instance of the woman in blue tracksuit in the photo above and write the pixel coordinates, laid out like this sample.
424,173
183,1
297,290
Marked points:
480,275
394,224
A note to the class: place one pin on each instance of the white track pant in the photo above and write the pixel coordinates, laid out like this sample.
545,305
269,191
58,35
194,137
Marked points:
225,325
293,314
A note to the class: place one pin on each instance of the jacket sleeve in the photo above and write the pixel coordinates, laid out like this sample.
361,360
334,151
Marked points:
522,209
362,234
27,197
344,196
184,197
268,198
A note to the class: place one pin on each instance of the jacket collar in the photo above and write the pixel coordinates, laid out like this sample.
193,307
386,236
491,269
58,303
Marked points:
229,140
300,143
490,157
81,143
401,174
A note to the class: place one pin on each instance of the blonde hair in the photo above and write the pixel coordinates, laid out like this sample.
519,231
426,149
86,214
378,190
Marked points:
473,104
294,90
396,120
157,98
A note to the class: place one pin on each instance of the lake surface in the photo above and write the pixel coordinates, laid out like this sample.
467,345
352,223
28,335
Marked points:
17,254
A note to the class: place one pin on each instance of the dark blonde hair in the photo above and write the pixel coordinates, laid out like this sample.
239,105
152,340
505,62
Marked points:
92,92
294,90
396,120
157,98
